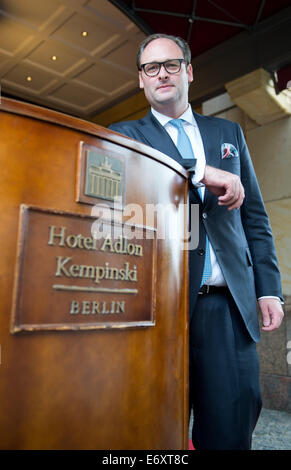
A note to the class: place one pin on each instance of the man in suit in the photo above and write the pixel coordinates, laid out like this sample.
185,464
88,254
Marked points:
234,265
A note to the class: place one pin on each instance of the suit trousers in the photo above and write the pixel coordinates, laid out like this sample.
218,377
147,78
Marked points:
224,376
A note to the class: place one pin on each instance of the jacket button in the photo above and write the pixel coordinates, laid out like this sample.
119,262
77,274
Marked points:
201,252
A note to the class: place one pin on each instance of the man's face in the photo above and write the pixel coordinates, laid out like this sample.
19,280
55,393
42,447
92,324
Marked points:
167,93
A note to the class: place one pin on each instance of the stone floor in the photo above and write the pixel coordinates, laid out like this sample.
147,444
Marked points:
273,431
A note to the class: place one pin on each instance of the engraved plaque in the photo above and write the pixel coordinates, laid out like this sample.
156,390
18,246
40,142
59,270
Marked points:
74,272
100,177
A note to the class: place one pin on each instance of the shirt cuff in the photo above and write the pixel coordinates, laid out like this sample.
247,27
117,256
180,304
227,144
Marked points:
198,175
271,297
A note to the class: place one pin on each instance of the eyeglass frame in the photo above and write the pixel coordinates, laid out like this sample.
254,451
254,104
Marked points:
181,61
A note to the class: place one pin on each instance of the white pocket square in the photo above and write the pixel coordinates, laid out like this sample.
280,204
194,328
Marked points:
228,151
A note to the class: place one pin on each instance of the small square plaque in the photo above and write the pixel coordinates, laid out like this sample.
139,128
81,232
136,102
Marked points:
100,177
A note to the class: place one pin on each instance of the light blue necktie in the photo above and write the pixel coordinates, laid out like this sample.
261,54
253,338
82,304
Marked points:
185,148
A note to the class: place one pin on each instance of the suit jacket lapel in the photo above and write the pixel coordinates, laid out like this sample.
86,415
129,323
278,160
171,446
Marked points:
210,136
158,138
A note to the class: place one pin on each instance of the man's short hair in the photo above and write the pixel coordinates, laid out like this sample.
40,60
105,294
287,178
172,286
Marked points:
184,46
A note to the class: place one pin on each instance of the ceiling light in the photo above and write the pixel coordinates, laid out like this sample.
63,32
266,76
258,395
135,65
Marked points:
84,33
54,57
29,78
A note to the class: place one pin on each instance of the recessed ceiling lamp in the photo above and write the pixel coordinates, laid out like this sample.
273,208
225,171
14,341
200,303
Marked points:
54,57
84,34
29,78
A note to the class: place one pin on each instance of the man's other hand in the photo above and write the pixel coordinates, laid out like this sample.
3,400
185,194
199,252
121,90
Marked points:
272,313
225,185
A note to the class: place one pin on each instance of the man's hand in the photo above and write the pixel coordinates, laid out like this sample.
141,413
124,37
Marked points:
272,313
225,185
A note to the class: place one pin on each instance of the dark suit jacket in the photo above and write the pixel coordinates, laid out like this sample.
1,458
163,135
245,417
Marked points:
242,239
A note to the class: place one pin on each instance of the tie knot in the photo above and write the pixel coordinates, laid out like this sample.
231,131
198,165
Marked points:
177,123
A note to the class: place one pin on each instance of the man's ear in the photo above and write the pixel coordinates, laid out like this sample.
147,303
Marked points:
190,73
140,80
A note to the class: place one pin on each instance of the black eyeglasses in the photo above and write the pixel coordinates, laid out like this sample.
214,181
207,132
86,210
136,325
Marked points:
151,69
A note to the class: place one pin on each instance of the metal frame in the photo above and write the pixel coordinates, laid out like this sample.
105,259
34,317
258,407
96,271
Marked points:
133,13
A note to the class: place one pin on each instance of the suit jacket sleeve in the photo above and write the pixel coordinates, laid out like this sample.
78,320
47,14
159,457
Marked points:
257,229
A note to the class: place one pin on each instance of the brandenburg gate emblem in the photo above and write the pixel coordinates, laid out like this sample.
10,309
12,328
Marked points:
103,180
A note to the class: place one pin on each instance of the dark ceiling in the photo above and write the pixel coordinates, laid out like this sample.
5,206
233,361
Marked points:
203,23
